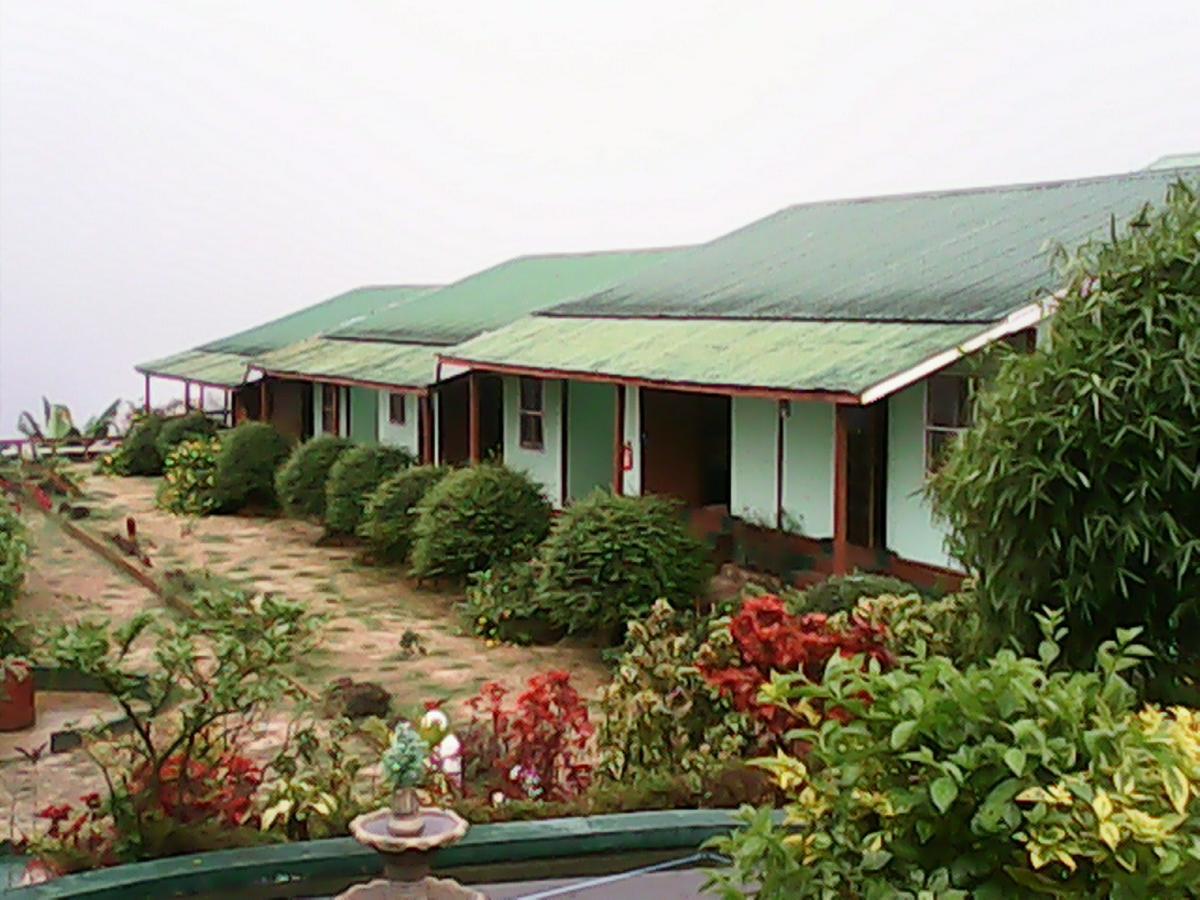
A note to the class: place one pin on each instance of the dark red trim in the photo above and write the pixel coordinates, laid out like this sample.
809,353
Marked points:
564,411
263,414
147,404
619,443
425,426
688,386
780,421
474,445
187,396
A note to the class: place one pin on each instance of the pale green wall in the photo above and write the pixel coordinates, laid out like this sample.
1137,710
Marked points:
405,435
591,418
808,468
911,530
753,471
364,415
543,466
631,483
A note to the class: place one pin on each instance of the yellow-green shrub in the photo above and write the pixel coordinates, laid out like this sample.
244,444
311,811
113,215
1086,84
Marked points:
189,473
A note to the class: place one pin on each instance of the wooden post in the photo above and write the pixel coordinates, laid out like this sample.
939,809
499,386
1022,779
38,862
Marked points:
147,406
780,420
473,445
201,407
187,396
262,399
840,492
426,427
563,413
618,485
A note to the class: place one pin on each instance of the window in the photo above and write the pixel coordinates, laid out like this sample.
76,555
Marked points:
533,415
947,414
396,409
329,408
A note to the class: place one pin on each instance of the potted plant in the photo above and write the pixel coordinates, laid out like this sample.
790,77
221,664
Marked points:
405,765
17,709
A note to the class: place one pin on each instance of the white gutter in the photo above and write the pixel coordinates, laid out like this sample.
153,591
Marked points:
1018,320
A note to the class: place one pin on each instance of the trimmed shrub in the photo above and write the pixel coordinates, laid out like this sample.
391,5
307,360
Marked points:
139,454
176,430
1076,487
477,518
390,511
608,558
353,476
839,593
189,474
13,550
502,605
300,481
246,464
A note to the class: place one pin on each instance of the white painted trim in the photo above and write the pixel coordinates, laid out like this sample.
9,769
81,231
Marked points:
1018,320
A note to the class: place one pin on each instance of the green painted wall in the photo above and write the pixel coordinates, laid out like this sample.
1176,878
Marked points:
631,482
753,471
911,530
591,417
808,468
364,415
543,466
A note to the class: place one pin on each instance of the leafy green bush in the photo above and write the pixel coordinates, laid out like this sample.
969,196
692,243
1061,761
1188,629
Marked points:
246,464
13,551
353,476
139,453
1076,487
502,605
176,430
189,476
950,627
929,778
390,511
477,518
300,481
839,593
609,557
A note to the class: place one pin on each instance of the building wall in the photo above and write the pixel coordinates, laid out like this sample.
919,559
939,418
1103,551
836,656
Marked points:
591,417
543,466
406,435
912,531
632,481
808,468
755,425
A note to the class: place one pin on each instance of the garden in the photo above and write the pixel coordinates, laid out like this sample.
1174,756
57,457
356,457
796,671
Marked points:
293,636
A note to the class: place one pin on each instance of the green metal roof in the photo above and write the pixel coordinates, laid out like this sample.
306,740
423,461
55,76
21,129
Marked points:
223,362
368,362
801,356
200,366
957,256
499,295
1175,161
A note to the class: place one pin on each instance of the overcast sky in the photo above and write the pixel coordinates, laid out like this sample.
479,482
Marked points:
171,172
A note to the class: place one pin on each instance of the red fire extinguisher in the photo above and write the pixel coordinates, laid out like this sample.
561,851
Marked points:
627,457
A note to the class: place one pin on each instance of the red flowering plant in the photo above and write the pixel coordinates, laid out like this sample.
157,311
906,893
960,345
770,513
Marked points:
532,750
768,639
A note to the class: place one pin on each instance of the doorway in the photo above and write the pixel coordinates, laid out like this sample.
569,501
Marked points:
866,474
454,419
685,446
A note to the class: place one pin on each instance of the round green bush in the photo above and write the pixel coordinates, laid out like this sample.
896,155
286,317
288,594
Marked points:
352,478
139,453
246,464
300,481
476,518
390,511
13,551
609,557
176,430
839,593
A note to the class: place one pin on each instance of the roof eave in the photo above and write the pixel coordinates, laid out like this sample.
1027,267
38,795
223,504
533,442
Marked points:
342,381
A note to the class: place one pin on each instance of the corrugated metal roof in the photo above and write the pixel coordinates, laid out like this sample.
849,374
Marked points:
223,362
201,366
839,357
370,362
957,256
499,295
1175,161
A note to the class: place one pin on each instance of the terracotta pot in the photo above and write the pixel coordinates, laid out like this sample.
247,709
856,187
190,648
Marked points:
405,820
17,701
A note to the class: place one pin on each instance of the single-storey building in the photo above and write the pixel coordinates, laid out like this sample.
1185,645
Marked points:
221,365
378,378
794,381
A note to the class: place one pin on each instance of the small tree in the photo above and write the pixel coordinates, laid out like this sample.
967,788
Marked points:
1077,487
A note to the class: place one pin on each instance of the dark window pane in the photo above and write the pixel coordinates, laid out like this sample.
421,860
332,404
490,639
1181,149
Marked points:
396,409
531,395
936,445
329,423
949,403
531,431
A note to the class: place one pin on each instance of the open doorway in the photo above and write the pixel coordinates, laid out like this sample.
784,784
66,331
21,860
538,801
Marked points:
866,474
685,446
454,419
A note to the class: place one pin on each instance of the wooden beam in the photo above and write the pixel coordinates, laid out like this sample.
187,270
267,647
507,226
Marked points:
201,407
147,404
783,412
619,443
841,506
474,450
425,427
262,400
187,396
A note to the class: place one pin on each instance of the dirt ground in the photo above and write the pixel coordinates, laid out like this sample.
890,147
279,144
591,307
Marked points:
367,611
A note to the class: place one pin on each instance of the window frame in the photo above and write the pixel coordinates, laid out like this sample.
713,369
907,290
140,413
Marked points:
330,408
393,396
929,429
534,417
